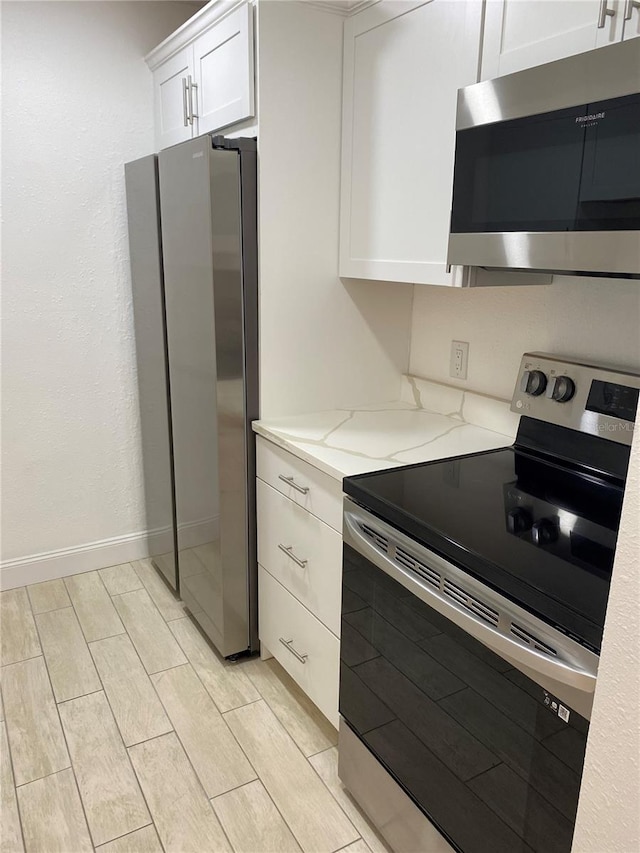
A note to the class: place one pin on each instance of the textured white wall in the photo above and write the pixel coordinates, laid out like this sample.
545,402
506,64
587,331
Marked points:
77,104
324,343
609,808
597,319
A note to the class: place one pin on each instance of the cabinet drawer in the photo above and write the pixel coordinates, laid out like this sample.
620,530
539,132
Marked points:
283,524
283,618
310,488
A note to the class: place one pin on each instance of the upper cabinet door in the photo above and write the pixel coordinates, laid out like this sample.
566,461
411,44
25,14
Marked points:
519,34
403,64
631,19
171,87
223,58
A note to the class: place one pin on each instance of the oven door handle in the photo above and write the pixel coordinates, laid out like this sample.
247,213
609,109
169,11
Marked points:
572,664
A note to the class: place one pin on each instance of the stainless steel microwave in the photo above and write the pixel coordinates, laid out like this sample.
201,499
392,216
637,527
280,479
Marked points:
547,168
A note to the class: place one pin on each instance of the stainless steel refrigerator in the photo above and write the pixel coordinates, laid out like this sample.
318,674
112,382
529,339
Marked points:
208,234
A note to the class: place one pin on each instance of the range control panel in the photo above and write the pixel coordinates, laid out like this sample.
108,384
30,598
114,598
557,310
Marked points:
585,397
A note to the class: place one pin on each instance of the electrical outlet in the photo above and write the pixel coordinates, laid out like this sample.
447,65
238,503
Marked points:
459,359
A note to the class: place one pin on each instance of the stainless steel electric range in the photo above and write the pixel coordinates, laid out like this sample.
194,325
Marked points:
473,603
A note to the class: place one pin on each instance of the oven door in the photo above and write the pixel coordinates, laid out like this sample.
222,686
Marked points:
491,756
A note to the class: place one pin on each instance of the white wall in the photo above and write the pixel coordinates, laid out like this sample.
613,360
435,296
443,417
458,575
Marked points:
608,814
324,343
77,104
596,319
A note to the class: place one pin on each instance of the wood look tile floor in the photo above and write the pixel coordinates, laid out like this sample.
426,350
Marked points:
123,731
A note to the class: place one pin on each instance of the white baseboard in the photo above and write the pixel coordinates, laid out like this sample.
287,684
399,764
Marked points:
50,565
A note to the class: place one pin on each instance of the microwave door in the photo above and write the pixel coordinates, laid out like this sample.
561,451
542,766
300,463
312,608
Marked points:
610,184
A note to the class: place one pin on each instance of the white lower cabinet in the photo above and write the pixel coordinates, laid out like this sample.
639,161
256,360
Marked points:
301,643
305,485
302,552
299,516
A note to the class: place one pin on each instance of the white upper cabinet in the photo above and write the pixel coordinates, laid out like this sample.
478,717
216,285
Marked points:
203,74
171,90
223,61
631,19
403,64
519,34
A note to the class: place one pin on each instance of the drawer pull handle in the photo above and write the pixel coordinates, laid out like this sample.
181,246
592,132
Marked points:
304,490
288,645
288,550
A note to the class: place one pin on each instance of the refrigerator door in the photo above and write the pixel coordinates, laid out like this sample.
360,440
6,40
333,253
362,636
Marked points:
143,211
211,312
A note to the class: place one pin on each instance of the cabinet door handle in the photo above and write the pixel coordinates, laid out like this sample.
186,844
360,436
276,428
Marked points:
288,550
304,490
604,12
288,645
629,6
191,86
185,109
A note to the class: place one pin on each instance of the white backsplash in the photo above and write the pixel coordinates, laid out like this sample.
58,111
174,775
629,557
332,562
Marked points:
473,408
593,319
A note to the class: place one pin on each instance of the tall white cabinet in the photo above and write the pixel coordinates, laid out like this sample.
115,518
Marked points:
519,34
403,63
203,74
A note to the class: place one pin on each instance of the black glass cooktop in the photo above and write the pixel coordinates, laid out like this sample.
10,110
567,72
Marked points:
542,534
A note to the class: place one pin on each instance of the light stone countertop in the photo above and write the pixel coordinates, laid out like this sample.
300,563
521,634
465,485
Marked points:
429,421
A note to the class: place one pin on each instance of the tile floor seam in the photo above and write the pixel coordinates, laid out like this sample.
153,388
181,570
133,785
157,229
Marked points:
64,735
24,660
298,840
15,787
126,749
64,581
126,630
320,751
335,799
53,696
266,790
198,780
305,757
80,695
125,834
222,713
169,590
346,846
278,716
185,749
84,811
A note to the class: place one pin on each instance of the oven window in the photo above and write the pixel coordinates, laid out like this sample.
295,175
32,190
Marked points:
468,737
569,170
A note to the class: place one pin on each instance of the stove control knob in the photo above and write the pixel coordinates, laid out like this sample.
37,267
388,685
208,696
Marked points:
562,389
544,532
533,382
519,520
